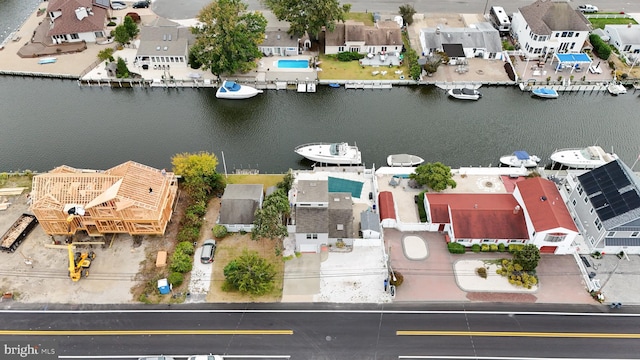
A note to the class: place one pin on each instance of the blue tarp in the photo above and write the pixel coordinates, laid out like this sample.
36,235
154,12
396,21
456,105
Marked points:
521,155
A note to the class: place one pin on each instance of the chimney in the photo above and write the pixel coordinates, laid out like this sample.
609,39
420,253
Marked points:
543,198
475,206
516,209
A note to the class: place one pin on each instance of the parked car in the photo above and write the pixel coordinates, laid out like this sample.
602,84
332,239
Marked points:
208,251
205,357
586,8
118,5
142,4
157,358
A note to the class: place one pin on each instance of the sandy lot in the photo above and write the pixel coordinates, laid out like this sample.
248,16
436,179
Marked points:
468,280
45,280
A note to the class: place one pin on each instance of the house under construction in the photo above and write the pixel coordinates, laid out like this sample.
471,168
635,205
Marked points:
129,198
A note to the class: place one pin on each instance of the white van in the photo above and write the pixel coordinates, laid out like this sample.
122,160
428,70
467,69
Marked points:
586,8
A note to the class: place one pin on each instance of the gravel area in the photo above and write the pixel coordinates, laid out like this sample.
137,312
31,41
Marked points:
354,277
468,280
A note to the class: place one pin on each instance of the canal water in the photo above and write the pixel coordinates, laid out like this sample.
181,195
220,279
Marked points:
45,123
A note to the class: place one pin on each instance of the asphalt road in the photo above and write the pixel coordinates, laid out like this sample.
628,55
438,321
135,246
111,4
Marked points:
185,9
331,332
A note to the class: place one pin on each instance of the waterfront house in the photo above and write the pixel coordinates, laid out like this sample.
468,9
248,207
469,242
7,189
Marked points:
239,205
605,203
549,223
480,40
471,219
321,217
549,26
129,198
164,44
75,21
626,38
384,36
277,42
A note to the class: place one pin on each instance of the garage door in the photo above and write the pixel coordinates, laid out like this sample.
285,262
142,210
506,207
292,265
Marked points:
308,248
548,249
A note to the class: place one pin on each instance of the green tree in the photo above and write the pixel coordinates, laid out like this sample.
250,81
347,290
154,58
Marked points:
250,273
407,11
181,262
121,35
268,224
106,54
278,200
131,27
436,176
227,41
121,69
199,173
287,182
308,16
527,257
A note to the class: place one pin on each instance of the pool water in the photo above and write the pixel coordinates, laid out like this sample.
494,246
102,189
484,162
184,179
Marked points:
293,64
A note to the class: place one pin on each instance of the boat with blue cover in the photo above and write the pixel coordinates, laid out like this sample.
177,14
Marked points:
233,90
545,93
520,158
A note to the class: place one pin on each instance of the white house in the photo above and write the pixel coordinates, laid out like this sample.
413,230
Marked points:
276,39
549,26
626,38
549,223
480,40
239,205
75,21
370,225
605,203
164,43
355,36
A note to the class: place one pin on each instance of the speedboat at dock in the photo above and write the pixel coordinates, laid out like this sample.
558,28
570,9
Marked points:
404,160
465,94
545,93
331,153
616,89
520,158
233,90
586,158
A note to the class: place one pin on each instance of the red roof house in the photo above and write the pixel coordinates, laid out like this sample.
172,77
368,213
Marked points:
387,209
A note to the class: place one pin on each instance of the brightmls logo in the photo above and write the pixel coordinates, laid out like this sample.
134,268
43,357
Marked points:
39,351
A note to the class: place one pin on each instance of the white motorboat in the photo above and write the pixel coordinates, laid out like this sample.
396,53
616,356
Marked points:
465,94
404,160
616,89
233,90
520,158
545,93
331,153
587,158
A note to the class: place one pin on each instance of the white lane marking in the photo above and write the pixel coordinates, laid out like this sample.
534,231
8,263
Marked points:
444,357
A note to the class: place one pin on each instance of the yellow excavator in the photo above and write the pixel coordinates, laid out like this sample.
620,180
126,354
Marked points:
79,263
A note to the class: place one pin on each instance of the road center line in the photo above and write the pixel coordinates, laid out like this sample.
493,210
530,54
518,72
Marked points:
518,334
142,332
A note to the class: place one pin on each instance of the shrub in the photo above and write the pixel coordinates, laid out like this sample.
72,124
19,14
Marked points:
456,248
111,23
484,248
175,278
219,231
516,275
475,248
199,208
601,48
482,272
186,247
349,56
181,262
501,247
399,279
422,212
189,234
493,247
515,247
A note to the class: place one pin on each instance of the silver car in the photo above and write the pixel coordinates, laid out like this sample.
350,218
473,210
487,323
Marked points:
118,5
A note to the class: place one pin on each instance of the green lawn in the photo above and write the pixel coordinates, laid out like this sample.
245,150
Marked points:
366,18
600,23
338,70
265,179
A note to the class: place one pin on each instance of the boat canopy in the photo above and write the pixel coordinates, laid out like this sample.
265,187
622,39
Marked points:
337,149
521,155
231,86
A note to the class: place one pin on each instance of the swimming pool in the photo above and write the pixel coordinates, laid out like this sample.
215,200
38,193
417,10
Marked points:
293,64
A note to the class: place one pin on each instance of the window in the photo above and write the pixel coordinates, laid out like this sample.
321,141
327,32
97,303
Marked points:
627,48
314,236
75,36
308,236
580,189
586,199
384,48
340,48
564,34
635,234
557,34
556,237
339,227
574,202
611,234
486,241
591,211
598,224
570,34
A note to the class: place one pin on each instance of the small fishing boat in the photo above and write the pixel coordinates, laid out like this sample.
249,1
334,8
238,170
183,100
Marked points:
49,60
465,94
616,89
520,158
334,85
545,93
404,160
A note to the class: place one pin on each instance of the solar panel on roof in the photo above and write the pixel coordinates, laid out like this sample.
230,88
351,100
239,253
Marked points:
598,201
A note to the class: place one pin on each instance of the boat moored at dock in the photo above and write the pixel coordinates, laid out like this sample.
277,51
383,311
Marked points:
465,94
586,158
235,91
545,93
520,158
406,160
331,153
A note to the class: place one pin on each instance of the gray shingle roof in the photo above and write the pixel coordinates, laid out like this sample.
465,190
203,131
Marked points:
279,38
312,220
243,191
164,40
369,221
629,35
482,35
68,22
385,33
546,16
312,191
238,211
